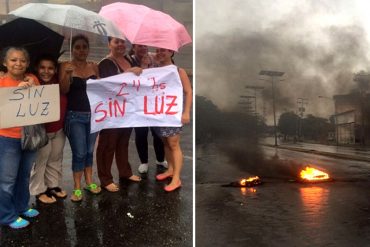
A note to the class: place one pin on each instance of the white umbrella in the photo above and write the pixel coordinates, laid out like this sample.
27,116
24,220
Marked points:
70,16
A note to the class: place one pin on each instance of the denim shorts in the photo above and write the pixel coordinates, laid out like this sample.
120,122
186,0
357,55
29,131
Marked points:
77,130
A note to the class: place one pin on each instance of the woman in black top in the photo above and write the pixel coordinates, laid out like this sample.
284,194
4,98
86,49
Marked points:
73,76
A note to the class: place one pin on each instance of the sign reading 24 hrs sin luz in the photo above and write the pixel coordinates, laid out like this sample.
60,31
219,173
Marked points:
154,98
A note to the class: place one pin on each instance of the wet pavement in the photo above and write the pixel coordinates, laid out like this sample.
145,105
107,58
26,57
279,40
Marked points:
281,211
140,214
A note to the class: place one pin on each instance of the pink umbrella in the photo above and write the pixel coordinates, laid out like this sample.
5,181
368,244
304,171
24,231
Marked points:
145,26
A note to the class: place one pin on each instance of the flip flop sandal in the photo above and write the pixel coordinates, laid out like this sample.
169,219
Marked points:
45,198
76,195
134,178
111,187
93,188
57,192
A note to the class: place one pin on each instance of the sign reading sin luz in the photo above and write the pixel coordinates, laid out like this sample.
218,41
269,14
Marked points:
26,106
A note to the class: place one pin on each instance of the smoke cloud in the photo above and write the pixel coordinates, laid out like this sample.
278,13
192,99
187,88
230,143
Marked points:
317,60
316,44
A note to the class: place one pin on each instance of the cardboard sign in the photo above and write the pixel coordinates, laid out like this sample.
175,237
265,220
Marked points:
27,106
152,99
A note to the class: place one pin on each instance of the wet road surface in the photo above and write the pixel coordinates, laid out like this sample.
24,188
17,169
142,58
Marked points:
280,212
140,214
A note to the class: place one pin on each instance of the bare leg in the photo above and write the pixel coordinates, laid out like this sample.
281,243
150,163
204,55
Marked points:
88,174
76,195
175,155
77,176
169,157
93,188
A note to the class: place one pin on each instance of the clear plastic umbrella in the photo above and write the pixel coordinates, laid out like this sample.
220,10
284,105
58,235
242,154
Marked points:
69,16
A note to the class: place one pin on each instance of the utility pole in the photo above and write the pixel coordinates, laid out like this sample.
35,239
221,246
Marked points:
255,88
272,75
249,102
246,105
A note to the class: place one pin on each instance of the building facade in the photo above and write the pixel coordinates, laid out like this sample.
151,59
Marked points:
352,118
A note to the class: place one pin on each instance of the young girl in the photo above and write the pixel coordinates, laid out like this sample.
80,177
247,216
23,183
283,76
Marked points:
46,175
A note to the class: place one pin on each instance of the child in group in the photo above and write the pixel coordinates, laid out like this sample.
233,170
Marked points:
46,174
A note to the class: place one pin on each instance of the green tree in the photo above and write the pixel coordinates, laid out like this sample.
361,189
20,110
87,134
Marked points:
288,124
206,115
213,125
316,128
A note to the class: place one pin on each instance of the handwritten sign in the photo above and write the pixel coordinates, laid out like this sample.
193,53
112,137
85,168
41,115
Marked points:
152,99
26,106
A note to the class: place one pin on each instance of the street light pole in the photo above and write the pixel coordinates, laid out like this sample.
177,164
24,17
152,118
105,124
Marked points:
273,74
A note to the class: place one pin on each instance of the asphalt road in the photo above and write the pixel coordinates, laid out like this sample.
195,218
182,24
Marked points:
141,214
281,211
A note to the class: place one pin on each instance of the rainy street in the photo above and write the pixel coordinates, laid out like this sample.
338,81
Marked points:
281,211
140,214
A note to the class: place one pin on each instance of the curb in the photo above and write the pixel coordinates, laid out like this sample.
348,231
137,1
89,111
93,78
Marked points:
329,154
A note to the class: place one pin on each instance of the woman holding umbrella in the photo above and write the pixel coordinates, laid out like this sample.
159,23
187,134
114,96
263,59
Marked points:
73,76
171,135
15,163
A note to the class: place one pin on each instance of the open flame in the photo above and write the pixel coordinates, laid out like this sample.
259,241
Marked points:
312,174
250,181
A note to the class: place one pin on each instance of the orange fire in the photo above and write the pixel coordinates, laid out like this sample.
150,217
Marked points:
312,174
246,181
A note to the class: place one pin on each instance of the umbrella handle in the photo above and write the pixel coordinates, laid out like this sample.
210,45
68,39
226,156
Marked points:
70,47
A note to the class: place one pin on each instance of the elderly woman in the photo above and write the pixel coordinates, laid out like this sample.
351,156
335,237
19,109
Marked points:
114,142
15,163
171,135
73,77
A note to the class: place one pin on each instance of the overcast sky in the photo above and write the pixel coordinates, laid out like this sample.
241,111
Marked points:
318,44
